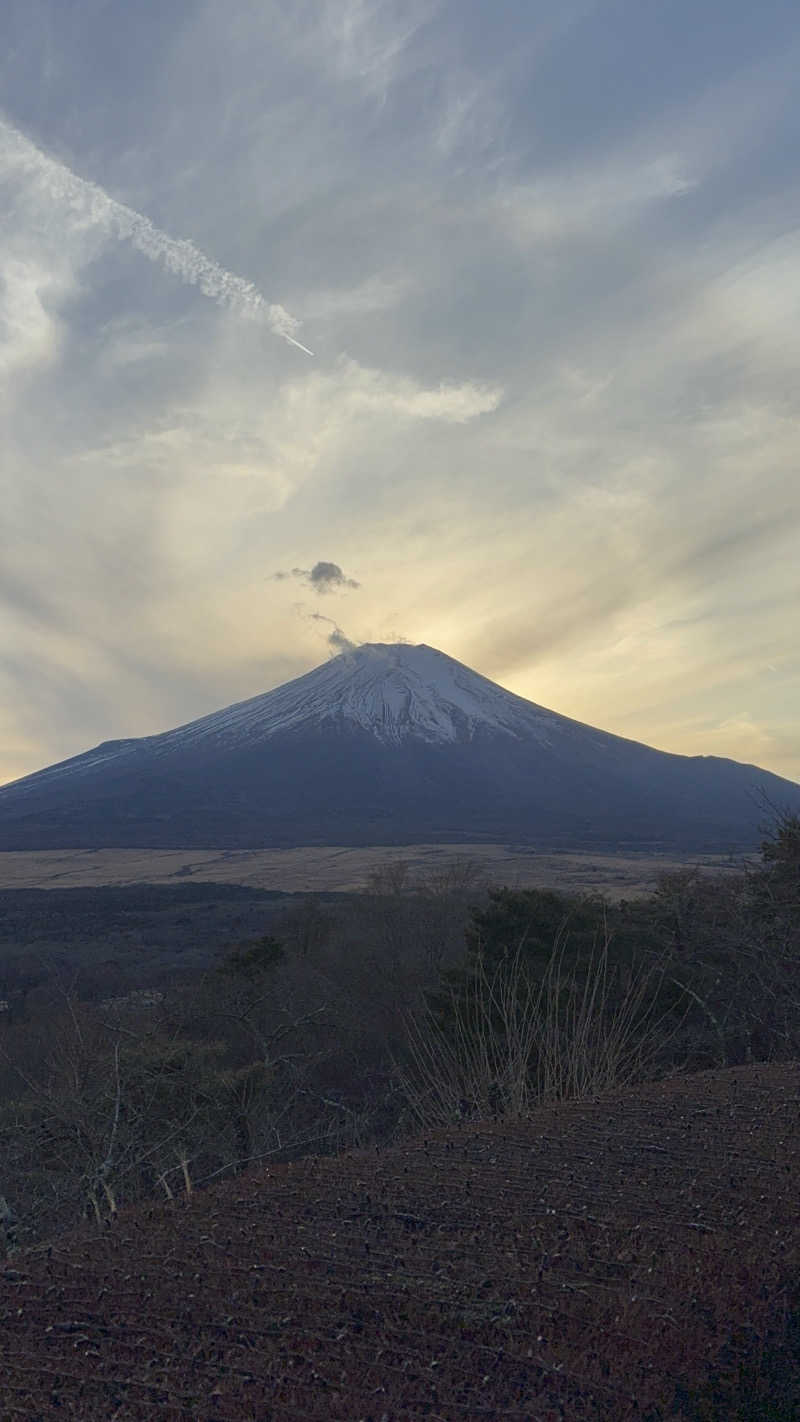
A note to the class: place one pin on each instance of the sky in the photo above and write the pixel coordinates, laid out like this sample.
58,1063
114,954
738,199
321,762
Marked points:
493,309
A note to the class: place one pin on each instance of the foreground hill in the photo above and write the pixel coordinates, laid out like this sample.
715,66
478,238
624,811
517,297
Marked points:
382,745
601,1260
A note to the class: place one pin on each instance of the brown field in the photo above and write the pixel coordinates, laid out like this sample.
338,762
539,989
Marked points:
340,868
580,1264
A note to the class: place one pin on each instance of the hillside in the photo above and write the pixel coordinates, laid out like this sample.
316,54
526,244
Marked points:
389,745
599,1260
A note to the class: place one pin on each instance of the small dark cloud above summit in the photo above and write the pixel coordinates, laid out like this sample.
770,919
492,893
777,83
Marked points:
322,578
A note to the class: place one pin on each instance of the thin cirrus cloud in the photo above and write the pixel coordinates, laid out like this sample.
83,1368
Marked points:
337,640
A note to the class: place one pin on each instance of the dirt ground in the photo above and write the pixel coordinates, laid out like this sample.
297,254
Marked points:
341,868
599,1260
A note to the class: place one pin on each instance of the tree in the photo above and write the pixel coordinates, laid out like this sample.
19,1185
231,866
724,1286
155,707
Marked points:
778,880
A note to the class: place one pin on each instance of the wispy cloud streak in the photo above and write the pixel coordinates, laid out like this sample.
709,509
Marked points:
337,640
90,203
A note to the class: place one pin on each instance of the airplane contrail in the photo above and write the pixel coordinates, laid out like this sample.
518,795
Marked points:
177,255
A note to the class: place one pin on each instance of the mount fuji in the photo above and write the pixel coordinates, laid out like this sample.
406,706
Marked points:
388,744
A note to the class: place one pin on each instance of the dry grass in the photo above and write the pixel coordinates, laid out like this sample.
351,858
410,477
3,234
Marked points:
508,1043
340,868
577,1264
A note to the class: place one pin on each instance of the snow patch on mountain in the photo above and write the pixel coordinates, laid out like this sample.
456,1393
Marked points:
393,691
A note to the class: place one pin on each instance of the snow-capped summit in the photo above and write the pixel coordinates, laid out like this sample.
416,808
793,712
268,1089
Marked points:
387,744
394,691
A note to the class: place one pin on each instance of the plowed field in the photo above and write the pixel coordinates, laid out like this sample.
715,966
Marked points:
580,1264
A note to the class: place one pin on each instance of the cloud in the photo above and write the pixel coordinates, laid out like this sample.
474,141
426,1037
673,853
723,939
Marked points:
451,402
337,640
587,202
89,205
376,293
322,578
369,43
28,332
553,418
325,576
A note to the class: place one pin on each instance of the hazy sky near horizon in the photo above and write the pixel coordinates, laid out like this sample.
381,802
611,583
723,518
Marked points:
547,259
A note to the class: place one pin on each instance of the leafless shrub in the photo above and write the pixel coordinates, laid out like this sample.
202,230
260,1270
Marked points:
506,1041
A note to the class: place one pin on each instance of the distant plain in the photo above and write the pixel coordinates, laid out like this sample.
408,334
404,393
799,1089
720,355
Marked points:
326,869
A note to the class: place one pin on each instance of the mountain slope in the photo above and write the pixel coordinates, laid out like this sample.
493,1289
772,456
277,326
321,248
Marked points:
387,744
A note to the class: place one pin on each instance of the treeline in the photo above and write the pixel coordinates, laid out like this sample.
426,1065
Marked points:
416,1003
113,938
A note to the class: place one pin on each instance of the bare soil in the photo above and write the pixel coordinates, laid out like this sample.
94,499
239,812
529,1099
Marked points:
598,1260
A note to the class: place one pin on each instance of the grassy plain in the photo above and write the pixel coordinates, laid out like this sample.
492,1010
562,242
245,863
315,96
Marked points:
337,868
